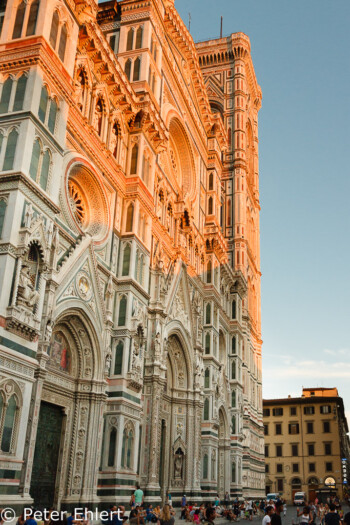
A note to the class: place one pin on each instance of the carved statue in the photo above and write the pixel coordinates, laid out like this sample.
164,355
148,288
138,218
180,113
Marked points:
108,362
109,289
56,240
48,331
26,295
28,216
157,346
178,466
49,234
113,142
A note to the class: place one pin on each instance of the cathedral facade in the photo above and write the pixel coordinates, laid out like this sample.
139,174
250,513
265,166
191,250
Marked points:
130,334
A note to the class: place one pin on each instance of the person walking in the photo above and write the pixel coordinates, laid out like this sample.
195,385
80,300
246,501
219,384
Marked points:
276,517
268,513
166,517
332,517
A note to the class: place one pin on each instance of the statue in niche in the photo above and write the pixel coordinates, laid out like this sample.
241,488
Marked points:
28,216
48,331
178,464
26,294
108,362
157,346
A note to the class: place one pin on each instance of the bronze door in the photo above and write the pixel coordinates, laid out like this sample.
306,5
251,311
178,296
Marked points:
46,454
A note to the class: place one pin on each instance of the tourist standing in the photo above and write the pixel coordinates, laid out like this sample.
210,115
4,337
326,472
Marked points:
267,518
138,496
276,517
332,517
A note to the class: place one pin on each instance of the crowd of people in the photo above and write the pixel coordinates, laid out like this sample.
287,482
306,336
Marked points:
270,513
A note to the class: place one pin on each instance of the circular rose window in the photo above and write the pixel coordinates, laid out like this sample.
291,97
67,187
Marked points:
87,202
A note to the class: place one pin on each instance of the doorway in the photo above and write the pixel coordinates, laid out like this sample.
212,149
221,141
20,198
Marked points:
47,449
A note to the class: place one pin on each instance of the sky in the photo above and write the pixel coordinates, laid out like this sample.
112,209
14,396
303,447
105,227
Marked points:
300,51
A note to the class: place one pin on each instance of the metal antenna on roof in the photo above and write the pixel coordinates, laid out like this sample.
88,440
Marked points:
189,21
221,27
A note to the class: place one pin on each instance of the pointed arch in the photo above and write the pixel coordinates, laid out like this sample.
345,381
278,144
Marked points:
6,95
122,310
139,35
45,169
129,218
63,42
134,159
10,150
18,27
130,39
54,29
126,260
20,93
137,68
206,410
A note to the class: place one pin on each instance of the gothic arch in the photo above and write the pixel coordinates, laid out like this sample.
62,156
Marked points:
175,331
76,324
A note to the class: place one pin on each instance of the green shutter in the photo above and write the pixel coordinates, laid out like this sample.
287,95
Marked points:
45,168
63,42
8,425
43,104
33,17
10,150
126,260
5,95
17,30
122,311
3,207
206,409
34,163
54,29
52,116
118,362
20,92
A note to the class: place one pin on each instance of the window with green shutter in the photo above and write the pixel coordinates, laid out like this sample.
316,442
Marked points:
54,29
122,311
206,410
43,104
126,260
33,17
10,150
45,169
3,206
5,95
20,93
34,163
207,343
118,362
52,116
206,378
63,43
17,29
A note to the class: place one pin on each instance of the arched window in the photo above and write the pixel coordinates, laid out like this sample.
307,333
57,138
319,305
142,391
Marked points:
129,218
233,424
5,95
127,448
233,399
211,181
114,140
8,426
45,169
20,92
51,124
210,206
63,42
233,472
130,39
233,370
126,260
54,29
17,30
234,343
209,272
137,66
112,447
207,343
234,309
34,163
44,98
3,206
206,378
208,314
140,277
229,212
134,159
122,311
139,34
206,410
205,466
118,361
2,13
128,69
32,19
10,150
213,465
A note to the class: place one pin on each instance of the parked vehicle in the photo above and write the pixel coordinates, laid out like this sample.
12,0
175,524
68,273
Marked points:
299,498
273,496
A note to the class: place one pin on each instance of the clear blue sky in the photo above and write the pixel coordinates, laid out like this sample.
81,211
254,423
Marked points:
301,53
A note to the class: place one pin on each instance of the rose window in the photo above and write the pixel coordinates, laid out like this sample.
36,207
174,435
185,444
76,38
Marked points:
87,202
76,202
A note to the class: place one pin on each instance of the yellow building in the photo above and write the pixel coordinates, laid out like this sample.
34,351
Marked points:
306,444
